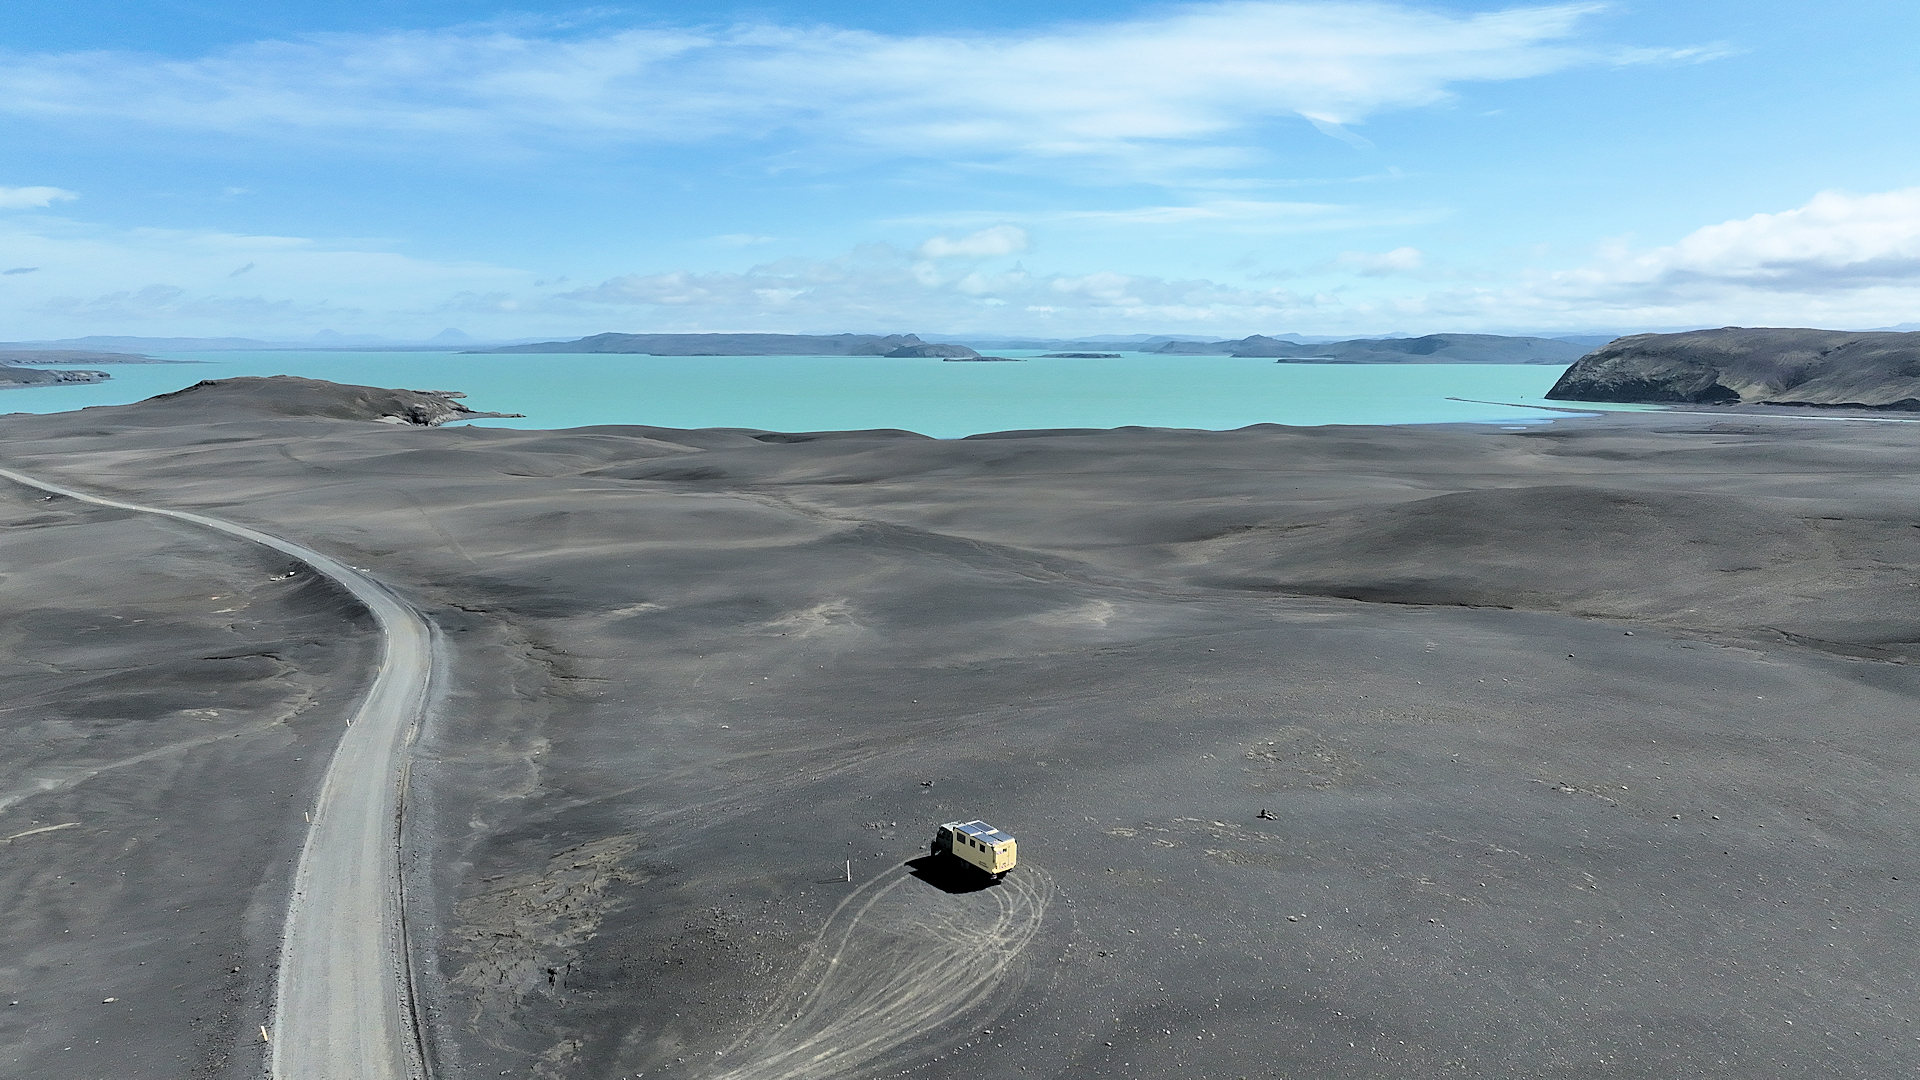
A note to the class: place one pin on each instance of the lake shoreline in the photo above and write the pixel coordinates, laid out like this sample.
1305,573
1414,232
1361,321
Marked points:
939,399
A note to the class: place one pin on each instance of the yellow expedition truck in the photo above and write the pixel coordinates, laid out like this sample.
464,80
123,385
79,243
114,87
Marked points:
979,844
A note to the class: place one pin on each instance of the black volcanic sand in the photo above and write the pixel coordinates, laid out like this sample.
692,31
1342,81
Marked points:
1587,749
170,699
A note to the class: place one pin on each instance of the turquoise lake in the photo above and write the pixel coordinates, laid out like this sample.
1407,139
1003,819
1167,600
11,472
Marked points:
825,393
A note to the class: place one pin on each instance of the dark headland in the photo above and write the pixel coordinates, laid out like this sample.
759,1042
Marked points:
12,375
1752,366
10,354
1585,749
215,400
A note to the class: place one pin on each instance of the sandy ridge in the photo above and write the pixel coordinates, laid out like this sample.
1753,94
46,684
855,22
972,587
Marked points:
343,1006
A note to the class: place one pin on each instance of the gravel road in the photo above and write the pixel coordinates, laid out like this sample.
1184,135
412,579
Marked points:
343,1004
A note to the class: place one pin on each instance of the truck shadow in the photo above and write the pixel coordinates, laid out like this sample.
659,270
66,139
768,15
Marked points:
949,874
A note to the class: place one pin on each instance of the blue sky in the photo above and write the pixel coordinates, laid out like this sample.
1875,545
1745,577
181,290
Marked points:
265,168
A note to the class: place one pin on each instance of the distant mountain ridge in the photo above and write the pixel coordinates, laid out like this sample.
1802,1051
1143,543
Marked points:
1738,365
1429,349
12,355
724,344
121,343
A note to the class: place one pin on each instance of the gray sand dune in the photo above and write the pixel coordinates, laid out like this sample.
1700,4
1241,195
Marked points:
1588,749
1590,551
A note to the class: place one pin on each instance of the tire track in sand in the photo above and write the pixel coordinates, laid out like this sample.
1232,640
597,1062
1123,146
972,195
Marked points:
898,959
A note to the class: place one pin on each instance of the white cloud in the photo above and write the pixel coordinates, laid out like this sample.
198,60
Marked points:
1239,216
33,198
1401,260
987,243
96,279
1688,54
1193,74
1836,241
880,287
1841,259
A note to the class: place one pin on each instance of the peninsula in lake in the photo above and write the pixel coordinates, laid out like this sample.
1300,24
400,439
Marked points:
12,354
1739,365
12,375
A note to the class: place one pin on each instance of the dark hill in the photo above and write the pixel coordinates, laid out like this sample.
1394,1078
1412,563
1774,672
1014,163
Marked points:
25,376
289,395
1752,366
959,352
1256,345
724,344
1428,349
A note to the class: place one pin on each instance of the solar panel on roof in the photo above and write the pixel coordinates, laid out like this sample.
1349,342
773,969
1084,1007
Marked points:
983,832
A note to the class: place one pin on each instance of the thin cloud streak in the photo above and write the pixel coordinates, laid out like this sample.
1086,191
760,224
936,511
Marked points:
83,278
1247,216
1196,78
33,198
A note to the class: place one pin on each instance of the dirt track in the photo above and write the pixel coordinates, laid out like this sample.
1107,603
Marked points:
900,957
344,1008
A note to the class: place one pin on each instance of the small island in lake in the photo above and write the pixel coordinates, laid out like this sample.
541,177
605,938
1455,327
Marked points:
925,351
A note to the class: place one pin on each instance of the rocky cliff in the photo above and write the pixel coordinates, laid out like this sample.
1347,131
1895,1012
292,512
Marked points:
1752,366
